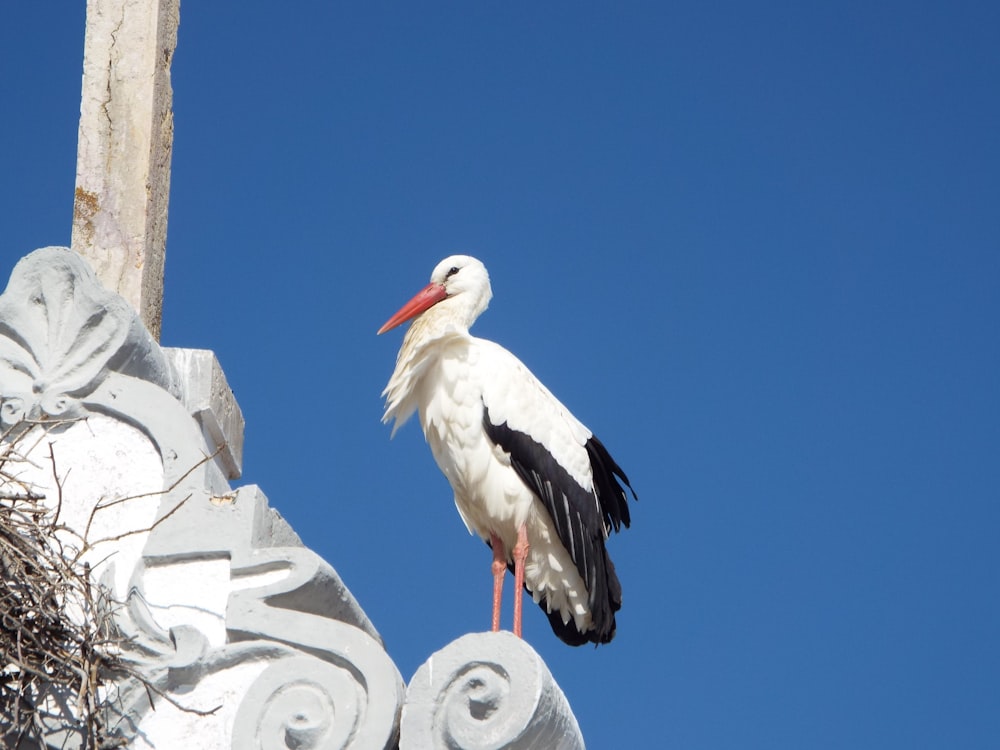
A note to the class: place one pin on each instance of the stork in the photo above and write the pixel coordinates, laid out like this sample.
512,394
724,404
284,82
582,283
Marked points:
528,477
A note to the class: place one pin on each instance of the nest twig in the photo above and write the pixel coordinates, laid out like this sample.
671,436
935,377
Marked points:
58,645
60,651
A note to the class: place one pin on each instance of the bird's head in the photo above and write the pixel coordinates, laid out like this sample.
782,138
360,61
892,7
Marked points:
459,283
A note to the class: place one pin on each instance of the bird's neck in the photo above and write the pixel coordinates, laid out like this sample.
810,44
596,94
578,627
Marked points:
432,326
440,321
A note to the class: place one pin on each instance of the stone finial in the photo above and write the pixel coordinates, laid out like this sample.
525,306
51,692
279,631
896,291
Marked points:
487,691
207,396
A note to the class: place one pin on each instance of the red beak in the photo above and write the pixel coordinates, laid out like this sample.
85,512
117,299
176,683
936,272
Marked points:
426,298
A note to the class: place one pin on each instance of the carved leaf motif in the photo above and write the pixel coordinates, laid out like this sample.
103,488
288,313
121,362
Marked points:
61,332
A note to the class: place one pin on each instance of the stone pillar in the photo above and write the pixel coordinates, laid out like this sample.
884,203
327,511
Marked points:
124,148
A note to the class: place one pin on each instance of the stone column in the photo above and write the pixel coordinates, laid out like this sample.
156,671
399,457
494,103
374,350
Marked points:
124,148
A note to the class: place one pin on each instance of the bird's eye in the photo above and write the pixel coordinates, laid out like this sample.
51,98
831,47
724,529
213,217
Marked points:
451,272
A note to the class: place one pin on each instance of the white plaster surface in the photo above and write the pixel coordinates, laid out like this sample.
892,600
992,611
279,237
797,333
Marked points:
190,592
207,396
111,477
169,727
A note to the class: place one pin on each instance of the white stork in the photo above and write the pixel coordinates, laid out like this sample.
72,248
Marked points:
528,477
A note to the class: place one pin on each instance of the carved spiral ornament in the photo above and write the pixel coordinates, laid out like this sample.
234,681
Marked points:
476,708
300,703
486,691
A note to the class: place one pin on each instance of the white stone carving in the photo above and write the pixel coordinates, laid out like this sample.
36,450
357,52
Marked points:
236,634
229,621
487,691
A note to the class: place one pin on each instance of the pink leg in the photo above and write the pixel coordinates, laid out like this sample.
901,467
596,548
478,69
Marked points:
499,568
520,555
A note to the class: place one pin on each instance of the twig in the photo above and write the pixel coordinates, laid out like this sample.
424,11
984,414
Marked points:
157,522
44,577
154,493
59,493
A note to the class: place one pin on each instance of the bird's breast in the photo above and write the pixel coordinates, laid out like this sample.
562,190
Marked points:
489,495
451,414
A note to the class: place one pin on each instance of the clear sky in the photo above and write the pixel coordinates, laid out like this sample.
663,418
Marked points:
754,247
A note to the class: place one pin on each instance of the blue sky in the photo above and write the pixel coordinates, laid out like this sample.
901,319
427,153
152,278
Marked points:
755,249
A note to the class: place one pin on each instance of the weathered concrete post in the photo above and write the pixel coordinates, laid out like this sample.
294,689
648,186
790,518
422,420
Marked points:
124,148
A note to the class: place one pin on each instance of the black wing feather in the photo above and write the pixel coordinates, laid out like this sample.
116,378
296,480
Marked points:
582,520
614,502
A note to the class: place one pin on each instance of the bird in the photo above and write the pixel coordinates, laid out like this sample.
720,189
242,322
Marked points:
528,477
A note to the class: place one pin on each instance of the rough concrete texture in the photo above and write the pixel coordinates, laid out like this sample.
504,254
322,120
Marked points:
124,148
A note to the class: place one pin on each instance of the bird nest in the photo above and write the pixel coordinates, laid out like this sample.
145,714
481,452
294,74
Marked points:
58,646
